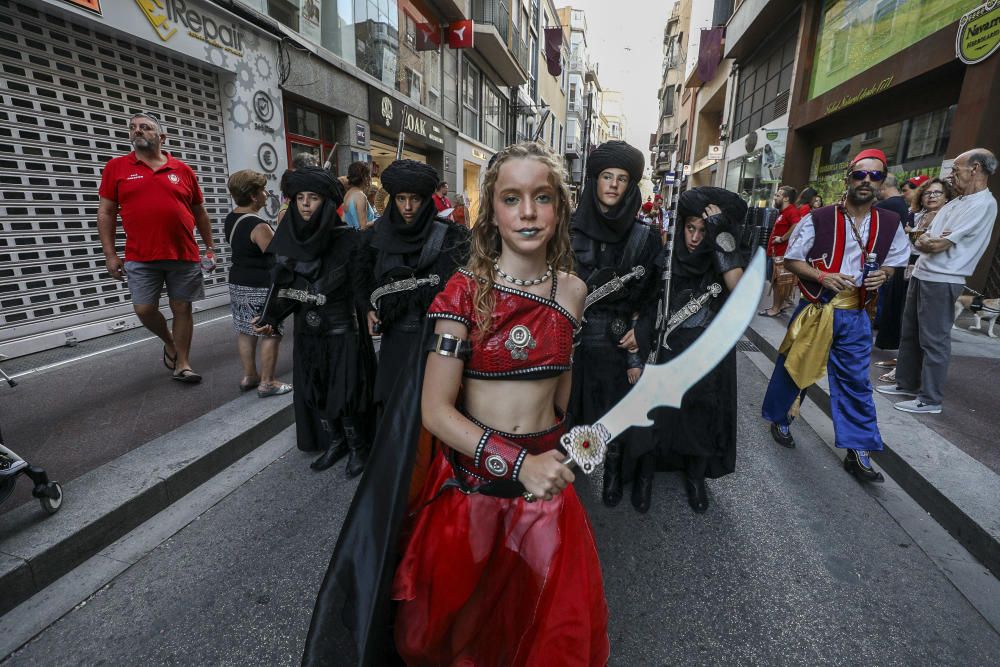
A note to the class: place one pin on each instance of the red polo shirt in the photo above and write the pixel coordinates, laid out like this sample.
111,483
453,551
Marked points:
789,216
155,207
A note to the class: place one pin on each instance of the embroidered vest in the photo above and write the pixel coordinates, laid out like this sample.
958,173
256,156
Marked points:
833,232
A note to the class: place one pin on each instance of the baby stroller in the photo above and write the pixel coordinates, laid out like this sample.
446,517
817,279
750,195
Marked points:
49,494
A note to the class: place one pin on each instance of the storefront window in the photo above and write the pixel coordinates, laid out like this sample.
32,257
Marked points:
855,35
913,146
471,88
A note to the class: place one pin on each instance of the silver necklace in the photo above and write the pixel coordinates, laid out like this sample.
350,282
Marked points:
522,283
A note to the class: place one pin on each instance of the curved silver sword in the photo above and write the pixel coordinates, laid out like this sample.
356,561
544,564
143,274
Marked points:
666,384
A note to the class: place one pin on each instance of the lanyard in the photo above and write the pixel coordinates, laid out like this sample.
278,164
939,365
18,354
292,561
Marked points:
857,236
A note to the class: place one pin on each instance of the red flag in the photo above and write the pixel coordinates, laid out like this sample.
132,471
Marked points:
553,50
428,37
460,34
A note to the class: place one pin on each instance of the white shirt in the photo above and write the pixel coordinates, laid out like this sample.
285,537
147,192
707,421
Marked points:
969,220
804,234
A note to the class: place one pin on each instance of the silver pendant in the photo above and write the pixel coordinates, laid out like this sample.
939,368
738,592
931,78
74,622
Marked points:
519,341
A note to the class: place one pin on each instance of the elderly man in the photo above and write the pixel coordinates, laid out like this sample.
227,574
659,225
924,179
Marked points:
160,204
830,331
949,252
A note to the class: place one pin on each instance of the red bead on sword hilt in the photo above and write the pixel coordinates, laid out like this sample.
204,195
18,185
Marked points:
586,446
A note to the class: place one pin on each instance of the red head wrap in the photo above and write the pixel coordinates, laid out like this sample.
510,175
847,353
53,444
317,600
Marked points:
647,207
918,180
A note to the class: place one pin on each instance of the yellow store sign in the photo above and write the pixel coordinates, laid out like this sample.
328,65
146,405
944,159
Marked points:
978,33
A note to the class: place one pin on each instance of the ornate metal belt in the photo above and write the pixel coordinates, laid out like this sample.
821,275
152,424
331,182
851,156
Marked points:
302,295
405,285
616,284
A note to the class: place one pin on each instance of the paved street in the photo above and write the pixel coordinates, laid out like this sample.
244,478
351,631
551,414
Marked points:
795,563
73,418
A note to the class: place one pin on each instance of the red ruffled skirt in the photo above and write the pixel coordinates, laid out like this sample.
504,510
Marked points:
499,582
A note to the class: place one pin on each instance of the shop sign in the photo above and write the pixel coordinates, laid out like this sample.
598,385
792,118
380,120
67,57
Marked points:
978,33
479,154
360,134
168,16
386,111
89,5
863,94
715,152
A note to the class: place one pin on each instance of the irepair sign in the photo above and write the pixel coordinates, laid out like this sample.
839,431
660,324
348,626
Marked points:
978,33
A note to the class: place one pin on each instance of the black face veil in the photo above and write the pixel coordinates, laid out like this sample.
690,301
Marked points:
392,233
306,239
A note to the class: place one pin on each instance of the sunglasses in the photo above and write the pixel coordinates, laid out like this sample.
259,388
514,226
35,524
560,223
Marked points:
875,175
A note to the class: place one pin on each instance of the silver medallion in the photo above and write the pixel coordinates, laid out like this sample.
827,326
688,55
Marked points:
519,341
726,242
313,319
496,465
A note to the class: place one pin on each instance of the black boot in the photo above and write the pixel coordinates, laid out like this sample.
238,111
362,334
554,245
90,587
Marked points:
642,485
358,449
859,464
613,475
694,484
336,449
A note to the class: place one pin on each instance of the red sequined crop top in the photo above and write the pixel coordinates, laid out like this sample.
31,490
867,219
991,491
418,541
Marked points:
532,336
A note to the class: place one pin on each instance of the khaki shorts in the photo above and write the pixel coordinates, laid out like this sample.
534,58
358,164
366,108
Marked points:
146,280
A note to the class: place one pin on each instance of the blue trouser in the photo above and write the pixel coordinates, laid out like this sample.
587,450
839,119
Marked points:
851,405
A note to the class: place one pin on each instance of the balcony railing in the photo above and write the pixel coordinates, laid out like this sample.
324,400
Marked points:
494,13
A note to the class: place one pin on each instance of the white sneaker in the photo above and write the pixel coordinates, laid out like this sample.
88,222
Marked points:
918,406
895,390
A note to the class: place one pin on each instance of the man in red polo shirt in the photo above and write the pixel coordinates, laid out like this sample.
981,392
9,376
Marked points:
160,204
782,281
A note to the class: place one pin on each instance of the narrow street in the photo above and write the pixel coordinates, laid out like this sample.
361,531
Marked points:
794,563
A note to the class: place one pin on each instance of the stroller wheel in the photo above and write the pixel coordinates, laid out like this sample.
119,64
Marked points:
52,504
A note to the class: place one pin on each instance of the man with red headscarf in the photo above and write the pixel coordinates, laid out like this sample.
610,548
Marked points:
830,331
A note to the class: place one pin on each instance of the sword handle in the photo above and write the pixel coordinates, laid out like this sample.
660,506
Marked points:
586,446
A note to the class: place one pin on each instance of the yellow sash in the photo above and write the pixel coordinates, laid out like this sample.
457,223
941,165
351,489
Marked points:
807,342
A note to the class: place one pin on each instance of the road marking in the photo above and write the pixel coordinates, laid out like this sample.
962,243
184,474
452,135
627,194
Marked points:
57,364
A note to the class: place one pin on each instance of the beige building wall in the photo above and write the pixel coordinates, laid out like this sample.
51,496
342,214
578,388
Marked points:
552,89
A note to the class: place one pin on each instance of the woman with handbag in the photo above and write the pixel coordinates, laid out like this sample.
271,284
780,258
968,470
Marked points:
249,279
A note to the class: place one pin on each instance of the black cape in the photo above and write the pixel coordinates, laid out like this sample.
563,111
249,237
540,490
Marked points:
353,616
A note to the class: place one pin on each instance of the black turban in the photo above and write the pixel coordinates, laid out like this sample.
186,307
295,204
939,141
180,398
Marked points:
616,155
410,176
315,179
308,239
692,204
613,225
392,233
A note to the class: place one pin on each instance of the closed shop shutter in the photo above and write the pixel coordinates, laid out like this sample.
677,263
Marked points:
66,91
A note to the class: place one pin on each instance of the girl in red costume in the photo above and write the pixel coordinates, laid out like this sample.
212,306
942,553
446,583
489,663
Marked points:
488,580
465,543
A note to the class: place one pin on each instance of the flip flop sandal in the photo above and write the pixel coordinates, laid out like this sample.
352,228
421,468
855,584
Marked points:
889,377
187,376
172,365
276,389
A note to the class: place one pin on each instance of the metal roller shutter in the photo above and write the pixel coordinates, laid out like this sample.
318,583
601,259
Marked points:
65,93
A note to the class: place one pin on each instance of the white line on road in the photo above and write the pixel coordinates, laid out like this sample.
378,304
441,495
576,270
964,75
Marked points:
57,364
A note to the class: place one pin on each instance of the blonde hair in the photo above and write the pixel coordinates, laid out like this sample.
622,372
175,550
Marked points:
485,245
244,184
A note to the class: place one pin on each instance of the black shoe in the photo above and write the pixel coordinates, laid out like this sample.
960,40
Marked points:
858,464
612,475
330,457
642,493
782,435
697,494
358,450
